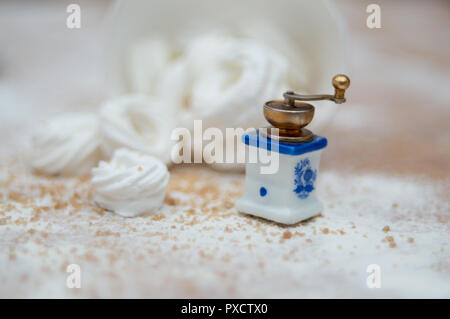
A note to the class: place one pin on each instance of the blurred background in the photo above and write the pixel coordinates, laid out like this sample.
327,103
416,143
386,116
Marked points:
396,119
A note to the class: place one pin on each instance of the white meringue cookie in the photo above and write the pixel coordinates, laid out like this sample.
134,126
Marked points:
223,81
131,184
68,144
134,122
148,60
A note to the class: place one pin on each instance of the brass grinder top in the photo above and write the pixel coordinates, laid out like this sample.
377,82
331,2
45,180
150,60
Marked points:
290,115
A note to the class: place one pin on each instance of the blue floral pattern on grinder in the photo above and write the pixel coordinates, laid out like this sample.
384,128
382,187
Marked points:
305,177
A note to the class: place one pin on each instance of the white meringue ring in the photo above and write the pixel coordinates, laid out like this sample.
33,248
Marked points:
223,81
148,60
244,75
131,184
67,144
134,122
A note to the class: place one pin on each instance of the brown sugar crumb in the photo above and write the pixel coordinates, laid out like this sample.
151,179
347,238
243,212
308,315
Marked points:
287,234
228,229
106,233
341,232
191,211
60,205
309,240
171,201
9,207
89,256
410,240
140,169
386,229
204,255
12,256
325,231
99,211
35,217
158,217
391,241
20,221
395,205
3,221
15,196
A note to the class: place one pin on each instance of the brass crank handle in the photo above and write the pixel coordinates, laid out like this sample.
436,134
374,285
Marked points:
341,82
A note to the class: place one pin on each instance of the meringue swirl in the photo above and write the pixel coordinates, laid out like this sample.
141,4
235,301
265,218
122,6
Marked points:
132,121
147,63
68,144
223,80
242,76
131,184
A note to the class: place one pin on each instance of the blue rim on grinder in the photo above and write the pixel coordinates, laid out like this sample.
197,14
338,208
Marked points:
288,194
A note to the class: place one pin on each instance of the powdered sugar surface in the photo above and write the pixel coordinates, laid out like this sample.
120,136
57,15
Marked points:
199,246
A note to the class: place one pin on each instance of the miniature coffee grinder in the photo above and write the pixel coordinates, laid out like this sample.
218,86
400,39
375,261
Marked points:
288,195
